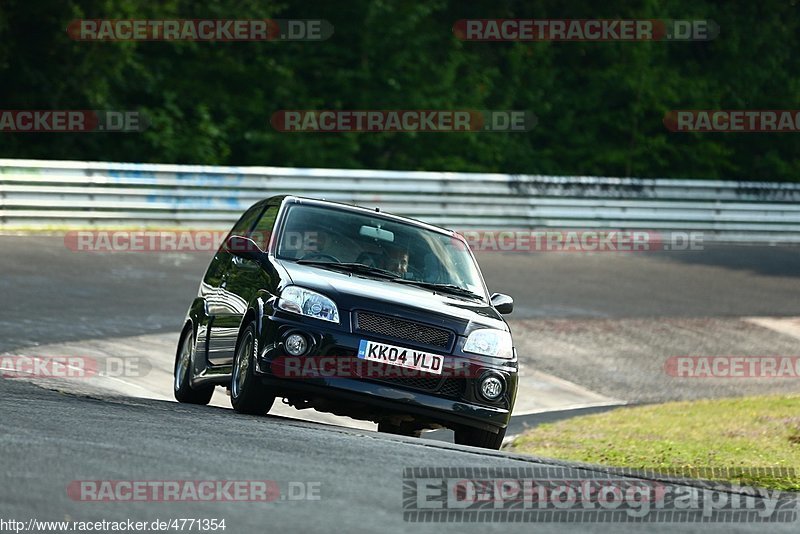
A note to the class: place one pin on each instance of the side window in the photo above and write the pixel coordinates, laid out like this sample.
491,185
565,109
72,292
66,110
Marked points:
263,230
244,224
220,262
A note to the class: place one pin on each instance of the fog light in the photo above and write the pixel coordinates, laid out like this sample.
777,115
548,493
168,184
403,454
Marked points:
296,344
491,388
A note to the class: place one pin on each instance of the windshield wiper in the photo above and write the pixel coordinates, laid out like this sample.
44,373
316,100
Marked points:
444,288
358,268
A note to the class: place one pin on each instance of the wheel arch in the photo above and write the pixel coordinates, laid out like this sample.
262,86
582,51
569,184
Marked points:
195,317
257,311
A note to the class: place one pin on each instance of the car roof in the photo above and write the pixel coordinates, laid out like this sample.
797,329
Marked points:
356,209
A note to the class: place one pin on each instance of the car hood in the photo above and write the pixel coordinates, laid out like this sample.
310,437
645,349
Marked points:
355,291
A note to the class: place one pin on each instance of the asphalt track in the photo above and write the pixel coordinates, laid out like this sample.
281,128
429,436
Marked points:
53,294
48,439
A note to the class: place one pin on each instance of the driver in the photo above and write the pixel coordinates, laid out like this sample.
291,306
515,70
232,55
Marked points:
397,261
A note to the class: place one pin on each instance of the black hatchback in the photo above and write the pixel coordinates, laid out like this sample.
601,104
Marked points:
355,312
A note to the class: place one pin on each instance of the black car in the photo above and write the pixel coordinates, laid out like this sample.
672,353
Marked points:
355,312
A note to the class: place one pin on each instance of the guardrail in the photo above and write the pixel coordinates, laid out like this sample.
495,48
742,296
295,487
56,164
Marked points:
57,194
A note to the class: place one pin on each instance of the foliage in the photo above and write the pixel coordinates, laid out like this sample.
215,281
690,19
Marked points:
599,105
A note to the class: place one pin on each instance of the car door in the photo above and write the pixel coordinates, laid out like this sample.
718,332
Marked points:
240,283
217,302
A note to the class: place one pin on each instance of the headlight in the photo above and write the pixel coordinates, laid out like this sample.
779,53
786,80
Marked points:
490,342
310,303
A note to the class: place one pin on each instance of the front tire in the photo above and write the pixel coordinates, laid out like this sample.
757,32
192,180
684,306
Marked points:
182,374
476,437
248,395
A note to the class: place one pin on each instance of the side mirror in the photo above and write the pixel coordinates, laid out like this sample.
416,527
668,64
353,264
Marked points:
502,303
244,247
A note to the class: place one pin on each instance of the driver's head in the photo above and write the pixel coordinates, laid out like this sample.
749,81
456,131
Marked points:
397,261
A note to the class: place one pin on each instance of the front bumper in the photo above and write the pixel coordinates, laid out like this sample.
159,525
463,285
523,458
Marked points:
450,401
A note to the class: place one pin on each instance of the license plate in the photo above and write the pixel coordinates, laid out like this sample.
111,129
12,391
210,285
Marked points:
402,357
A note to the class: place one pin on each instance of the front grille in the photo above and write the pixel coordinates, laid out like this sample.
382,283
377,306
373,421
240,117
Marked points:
423,384
401,329
452,387
449,387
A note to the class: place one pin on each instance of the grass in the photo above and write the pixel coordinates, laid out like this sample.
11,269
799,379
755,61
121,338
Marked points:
731,434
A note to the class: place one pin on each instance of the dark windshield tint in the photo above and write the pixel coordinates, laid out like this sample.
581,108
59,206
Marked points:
411,252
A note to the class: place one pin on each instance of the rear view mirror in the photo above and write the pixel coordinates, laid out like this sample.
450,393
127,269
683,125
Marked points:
377,233
502,303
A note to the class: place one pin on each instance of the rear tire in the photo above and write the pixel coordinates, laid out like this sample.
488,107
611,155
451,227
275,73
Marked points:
248,394
182,374
477,437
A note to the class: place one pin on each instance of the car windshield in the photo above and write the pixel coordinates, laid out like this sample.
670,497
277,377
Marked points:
372,243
